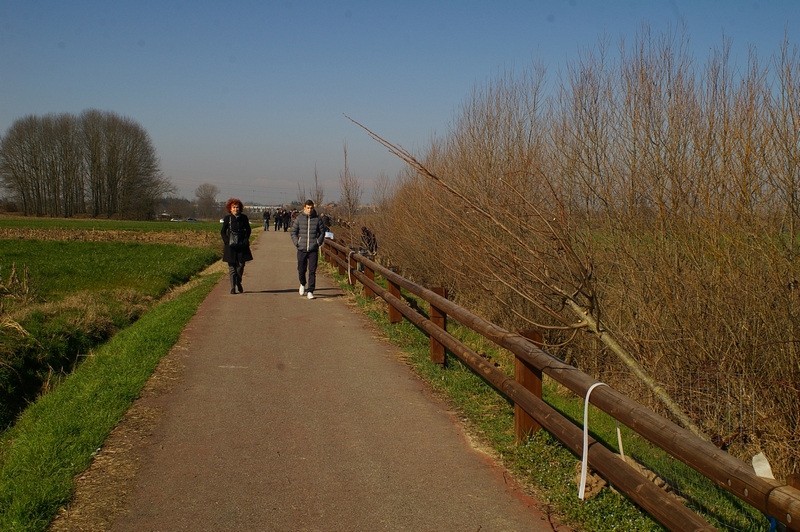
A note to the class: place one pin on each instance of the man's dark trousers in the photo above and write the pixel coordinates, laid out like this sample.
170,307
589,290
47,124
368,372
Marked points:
307,260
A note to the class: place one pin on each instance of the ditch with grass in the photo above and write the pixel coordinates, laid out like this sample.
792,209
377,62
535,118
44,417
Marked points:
83,323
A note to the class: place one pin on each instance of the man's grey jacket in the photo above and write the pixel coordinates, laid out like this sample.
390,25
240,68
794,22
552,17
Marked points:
308,232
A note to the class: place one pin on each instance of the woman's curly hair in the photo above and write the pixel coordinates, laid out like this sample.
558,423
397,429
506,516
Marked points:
234,201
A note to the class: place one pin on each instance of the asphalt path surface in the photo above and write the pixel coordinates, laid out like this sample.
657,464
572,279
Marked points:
292,415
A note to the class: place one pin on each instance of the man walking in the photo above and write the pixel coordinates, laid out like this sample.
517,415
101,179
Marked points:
287,219
308,234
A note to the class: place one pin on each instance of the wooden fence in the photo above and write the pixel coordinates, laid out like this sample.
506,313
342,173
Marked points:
771,497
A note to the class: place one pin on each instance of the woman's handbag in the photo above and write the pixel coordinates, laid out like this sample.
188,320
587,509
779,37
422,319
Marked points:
237,240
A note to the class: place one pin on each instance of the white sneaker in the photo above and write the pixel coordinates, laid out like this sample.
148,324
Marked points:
310,295
302,290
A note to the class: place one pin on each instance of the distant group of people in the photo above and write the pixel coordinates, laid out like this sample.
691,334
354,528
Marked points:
282,217
308,231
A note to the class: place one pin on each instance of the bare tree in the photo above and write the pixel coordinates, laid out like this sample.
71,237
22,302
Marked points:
52,164
93,141
206,195
350,191
142,183
18,163
40,165
381,194
301,193
72,170
784,140
317,192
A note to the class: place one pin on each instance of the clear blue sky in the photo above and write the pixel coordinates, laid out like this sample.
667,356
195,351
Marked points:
250,95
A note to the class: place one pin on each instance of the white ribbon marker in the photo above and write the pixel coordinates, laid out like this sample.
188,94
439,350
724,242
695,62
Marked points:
585,460
349,271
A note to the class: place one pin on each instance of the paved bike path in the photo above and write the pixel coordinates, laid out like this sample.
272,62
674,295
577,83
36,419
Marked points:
292,415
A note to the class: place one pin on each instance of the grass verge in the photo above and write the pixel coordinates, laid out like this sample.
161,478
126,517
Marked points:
101,224
55,438
545,465
58,269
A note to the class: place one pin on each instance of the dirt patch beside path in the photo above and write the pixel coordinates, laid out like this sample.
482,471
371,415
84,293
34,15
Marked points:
181,238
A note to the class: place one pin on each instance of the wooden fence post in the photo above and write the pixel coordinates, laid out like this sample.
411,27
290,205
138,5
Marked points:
394,289
370,273
793,481
343,257
439,318
531,379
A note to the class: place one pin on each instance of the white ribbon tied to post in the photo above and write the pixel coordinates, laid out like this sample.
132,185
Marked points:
349,272
585,459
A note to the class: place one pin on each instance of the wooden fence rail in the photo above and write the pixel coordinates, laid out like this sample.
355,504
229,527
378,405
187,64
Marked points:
769,496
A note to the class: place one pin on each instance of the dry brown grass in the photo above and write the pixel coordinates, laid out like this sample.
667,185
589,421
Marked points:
182,238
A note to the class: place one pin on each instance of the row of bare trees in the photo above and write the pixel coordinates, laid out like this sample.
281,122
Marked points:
345,212
643,211
97,163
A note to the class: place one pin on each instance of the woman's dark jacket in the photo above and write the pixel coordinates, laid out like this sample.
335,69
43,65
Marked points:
235,223
308,232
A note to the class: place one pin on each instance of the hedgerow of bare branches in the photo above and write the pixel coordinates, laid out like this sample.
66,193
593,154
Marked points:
655,195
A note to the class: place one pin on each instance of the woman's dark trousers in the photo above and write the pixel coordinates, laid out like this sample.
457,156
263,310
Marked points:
235,272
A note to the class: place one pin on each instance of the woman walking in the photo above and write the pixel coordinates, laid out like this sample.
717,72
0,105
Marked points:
235,234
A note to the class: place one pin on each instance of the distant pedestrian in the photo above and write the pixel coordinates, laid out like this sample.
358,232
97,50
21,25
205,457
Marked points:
235,235
287,220
369,244
266,219
278,219
308,234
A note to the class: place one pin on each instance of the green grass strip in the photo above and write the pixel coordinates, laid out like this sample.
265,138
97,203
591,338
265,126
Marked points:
61,268
56,437
100,224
